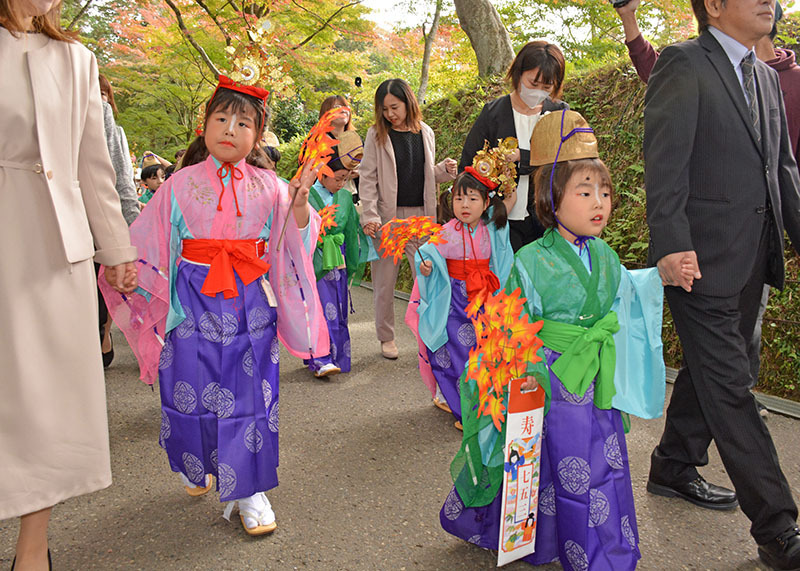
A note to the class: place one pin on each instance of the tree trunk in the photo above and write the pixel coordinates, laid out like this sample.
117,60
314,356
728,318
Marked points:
430,38
487,34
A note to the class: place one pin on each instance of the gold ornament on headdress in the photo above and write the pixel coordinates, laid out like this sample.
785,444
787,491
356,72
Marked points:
492,164
253,62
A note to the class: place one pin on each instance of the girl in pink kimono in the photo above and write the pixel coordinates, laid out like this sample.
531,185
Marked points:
226,270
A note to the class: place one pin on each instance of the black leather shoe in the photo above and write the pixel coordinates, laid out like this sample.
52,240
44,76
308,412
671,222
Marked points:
783,552
699,492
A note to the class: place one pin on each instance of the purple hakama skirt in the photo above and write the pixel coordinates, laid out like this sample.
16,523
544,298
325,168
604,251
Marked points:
448,361
334,298
218,377
586,517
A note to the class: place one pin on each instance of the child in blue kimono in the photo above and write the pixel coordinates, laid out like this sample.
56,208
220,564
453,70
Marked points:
472,262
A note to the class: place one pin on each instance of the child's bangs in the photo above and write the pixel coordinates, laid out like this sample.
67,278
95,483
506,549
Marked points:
597,167
233,101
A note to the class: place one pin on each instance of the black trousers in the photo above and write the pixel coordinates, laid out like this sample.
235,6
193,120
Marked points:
523,232
102,310
711,400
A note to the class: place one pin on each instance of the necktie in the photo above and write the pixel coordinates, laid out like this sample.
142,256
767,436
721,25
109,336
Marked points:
748,74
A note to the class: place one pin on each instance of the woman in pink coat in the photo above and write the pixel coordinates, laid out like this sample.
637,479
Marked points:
399,179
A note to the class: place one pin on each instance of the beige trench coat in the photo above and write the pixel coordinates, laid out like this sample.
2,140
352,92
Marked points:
57,201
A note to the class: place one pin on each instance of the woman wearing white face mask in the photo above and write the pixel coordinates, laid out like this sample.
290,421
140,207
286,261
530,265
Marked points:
536,76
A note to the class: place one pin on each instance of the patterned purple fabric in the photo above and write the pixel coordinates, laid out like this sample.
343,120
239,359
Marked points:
586,513
219,388
447,362
333,296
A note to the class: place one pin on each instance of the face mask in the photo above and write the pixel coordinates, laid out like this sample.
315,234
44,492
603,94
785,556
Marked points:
532,97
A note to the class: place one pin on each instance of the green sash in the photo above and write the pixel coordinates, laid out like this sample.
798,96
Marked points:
586,353
347,231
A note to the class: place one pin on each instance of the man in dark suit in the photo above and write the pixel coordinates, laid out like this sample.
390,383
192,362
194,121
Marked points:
722,184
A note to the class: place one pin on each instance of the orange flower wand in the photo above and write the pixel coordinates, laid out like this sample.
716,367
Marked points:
315,151
507,343
397,232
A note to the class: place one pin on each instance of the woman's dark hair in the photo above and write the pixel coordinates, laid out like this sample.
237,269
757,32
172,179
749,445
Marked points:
544,56
402,90
461,186
151,171
105,87
565,170
222,100
334,101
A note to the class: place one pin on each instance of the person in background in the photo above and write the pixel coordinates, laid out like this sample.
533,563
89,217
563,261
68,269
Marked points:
59,211
471,264
536,76
399,177
342,123
120,154
152,178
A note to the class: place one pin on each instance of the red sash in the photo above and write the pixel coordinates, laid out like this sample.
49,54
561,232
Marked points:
225,256
476,273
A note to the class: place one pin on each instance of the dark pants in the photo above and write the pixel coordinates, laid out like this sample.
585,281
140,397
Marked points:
754,346
711,400
101,307
524,232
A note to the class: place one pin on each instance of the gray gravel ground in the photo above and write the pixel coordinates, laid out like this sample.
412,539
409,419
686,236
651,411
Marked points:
364,471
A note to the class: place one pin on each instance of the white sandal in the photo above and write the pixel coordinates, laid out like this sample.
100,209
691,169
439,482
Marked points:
256,514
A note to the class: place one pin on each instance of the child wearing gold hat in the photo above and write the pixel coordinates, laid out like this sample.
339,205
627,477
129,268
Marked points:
602,351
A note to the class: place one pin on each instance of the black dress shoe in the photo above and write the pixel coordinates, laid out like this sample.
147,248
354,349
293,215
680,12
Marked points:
699,492
108,357
783,552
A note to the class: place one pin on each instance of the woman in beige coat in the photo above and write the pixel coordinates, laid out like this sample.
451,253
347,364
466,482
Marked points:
57,203
399,179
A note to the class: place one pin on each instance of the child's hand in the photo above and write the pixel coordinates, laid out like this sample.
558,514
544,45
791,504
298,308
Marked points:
123,278
530,384
302,184
679,269
689,269
298,190
371,228
425,268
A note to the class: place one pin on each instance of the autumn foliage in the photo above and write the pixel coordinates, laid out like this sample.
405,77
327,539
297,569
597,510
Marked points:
397,232
327,215
506,343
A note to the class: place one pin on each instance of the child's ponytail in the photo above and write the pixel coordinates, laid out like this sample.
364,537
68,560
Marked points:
499,212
